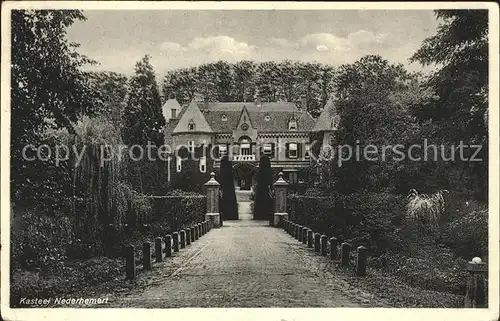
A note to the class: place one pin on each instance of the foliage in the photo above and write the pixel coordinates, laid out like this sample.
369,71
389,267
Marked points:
460,51
48,87
190,178
228,204
263,206
110,90
467,234
40,241
176,212
143,119
367,219
245,80
71,279
425,208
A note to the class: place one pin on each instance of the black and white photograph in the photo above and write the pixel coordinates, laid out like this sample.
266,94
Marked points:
161,155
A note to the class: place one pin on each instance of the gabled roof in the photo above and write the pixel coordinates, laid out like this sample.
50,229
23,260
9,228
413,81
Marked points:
170,104
279,114
324,122
192,114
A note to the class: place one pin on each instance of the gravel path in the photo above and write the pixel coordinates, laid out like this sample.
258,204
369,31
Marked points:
246,263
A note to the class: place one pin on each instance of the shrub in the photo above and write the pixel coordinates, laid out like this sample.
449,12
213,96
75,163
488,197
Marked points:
468,234
40,241
263,199
361,218
174,212
228,204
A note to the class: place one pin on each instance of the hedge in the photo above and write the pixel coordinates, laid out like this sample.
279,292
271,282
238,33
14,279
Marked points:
175,212
361,218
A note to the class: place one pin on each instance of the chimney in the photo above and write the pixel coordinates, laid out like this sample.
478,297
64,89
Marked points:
258,102
303,103
205,102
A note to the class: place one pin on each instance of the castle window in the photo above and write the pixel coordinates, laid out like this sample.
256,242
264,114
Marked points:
191,146
292,150
292,125
173,113
203,164
191,125
224,118
308,150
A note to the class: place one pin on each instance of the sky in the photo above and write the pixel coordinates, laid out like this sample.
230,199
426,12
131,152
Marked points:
185,38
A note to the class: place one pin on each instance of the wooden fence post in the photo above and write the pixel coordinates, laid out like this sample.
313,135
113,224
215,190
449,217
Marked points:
299,233
146,256
344,254
188,236
361,261
324,244
317,245
168,245
183,239
304,235
192,234
196,236
333,248
475,296
309,238
158,254
129,262
176,241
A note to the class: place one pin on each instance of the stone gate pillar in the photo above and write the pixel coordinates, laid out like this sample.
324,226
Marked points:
281,190
213,214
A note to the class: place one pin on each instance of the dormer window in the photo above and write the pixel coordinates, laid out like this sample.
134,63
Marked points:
173,113
292,125
267,118
191,125
224,117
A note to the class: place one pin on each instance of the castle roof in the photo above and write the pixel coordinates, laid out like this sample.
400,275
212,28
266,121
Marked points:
325,120
192,114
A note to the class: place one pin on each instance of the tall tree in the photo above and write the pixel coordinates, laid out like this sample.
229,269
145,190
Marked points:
263,206
460,50
48,87
371,113
229,206
244,79
143,119
181,85
110,90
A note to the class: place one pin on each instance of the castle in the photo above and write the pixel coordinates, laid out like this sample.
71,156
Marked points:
246,130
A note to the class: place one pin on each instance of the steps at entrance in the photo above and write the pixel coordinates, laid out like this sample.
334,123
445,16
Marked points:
243,196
